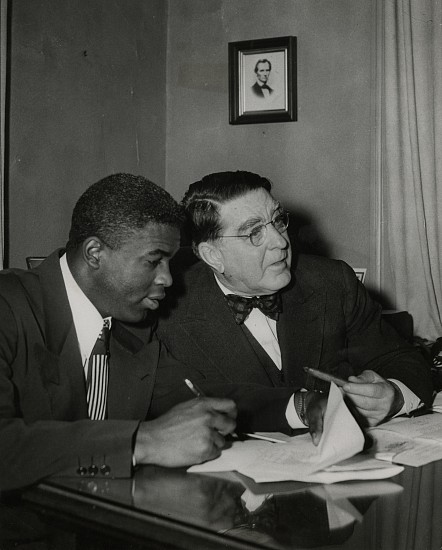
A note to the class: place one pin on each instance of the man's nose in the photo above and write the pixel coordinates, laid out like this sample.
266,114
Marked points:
163,277
277,239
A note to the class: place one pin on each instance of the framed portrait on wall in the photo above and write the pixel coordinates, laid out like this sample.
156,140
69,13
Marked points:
262,80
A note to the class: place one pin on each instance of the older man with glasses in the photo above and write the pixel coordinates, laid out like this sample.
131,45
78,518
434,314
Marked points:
251,314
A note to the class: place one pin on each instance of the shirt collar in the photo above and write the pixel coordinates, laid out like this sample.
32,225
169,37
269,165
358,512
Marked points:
224,289
87,320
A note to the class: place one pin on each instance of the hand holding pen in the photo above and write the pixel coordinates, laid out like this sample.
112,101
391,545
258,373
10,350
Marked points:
197,392
189,433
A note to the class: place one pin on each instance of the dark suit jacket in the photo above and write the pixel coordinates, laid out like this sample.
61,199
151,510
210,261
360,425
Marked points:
44,425
329,322
256,89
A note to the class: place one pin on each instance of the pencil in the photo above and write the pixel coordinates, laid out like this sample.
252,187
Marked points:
194,388
324,376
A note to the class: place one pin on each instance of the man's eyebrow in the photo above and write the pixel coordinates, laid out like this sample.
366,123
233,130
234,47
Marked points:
248,223
253,221
160,252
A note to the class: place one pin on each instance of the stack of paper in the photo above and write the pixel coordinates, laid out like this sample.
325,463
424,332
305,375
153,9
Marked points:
298,459
410,441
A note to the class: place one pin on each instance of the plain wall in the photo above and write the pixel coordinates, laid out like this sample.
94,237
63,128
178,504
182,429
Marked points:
321,164
88,98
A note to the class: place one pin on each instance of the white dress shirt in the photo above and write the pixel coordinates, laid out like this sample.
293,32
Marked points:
88,322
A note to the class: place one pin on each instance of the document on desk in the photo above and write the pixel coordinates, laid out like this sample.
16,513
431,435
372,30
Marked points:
299,460
411,441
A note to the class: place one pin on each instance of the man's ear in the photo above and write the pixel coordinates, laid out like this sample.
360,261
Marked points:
92,249
211,254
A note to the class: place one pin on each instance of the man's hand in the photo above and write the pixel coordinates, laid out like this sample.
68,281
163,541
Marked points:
374,397
190,433
315,406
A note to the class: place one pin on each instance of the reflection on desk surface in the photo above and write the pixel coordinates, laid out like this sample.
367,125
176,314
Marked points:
286,513
403,512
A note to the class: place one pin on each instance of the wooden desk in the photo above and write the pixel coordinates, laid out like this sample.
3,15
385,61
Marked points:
169,509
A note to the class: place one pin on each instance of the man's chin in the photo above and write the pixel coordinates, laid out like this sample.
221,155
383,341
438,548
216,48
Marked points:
135,317
279,282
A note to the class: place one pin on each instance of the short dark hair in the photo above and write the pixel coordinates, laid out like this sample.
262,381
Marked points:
262,61
203,199
117,206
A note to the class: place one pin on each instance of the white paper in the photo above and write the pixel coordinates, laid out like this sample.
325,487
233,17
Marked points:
298,459
410,441
274,437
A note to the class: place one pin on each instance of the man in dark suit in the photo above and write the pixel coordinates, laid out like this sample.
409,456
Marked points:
314,312
64,407
261,87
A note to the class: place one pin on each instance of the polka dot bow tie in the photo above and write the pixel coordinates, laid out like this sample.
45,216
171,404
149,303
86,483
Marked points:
241,306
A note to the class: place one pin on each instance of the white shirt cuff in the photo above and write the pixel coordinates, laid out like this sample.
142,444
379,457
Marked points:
411,400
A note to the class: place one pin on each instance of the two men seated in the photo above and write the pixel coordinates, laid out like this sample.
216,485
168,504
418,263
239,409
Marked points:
246,353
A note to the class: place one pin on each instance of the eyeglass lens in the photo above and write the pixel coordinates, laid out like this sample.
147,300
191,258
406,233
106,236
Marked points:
258,234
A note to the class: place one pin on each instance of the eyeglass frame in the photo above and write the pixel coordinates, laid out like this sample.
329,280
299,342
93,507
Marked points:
263,226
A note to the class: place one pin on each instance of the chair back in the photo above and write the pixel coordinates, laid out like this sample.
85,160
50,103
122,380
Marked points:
34,261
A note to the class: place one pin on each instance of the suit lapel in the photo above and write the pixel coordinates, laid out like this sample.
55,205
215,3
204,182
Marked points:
60,359
131,374
300,330
218,335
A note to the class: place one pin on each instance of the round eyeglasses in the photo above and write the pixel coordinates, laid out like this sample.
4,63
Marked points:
258,234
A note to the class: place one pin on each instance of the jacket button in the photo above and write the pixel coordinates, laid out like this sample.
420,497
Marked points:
93,470
105,469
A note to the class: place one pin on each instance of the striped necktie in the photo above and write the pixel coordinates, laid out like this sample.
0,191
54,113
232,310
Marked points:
98,375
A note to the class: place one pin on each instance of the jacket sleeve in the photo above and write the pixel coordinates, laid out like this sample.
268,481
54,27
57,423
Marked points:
30,452
373,344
